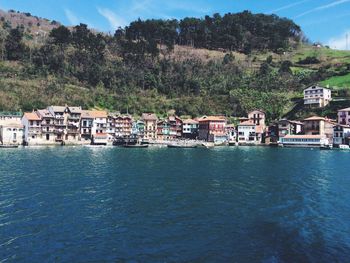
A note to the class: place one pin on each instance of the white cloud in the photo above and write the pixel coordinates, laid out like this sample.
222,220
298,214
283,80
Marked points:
339,42
288,6
323,7
72,18
112,18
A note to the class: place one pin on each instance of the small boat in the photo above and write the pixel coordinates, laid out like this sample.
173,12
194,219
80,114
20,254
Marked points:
135,146
8,146
344,147
181,146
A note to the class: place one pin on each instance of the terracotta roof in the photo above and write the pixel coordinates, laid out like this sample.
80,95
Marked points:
247,123
346,109
75,109
31,116
190,121
149,116
315,118
212,118
99,114
58,108
86,114
45,113
304,136
92,114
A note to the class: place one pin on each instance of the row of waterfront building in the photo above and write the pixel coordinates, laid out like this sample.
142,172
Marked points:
73,125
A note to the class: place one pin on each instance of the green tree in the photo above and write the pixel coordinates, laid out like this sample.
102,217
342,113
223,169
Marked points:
15,48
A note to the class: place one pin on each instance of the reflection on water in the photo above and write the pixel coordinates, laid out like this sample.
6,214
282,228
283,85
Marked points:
78,204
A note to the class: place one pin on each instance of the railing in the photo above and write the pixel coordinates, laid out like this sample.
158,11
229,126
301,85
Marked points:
74,117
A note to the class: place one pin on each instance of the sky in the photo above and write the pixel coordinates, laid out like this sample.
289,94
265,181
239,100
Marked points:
325,21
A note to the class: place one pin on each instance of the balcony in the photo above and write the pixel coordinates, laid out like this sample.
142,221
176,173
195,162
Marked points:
74,124
73,131
60,124
59,117
77,118
58,131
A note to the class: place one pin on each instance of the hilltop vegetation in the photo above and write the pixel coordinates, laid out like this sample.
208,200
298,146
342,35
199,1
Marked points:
216,65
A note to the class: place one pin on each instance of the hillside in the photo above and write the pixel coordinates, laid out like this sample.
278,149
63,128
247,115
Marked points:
154,65
33,26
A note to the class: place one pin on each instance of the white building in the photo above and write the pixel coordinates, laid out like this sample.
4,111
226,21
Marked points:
14,117
32,128
11,133
99,127
344,116
304,141
247,133
190,129
316,96
93,126
341,134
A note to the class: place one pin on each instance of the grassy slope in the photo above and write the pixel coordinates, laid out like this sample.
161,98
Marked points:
16,90
338,82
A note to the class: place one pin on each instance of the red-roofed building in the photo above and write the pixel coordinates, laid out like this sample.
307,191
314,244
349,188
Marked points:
212,129
32,128
316,125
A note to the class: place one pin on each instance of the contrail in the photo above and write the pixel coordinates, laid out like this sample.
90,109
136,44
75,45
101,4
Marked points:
289,6
323,7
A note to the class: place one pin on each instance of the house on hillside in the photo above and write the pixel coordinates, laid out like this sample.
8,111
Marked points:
11,133
316,96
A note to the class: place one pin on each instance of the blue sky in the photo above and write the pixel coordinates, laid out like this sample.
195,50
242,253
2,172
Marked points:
327,21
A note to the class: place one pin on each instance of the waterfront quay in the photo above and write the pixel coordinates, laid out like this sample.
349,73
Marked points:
72,125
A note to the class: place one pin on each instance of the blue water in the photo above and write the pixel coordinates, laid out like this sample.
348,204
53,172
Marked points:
174,205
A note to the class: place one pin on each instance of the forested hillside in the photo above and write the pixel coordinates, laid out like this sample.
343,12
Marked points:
215,65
